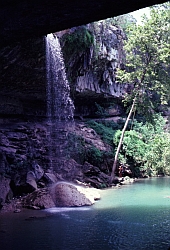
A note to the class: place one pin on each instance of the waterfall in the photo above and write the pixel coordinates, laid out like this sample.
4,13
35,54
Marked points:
60,108
59,104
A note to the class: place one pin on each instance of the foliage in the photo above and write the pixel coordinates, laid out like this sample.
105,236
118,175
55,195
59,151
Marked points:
81,152
101,112
146,147
147,60
133,145
77,41
147,68
123,21
158,154
106,130
94,156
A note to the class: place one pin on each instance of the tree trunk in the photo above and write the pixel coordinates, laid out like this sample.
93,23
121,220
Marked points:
112,177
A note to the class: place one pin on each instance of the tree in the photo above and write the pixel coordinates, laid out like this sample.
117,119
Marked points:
146,147
147,65
123,21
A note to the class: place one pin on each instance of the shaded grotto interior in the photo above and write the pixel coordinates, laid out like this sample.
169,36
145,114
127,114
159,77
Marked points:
22,19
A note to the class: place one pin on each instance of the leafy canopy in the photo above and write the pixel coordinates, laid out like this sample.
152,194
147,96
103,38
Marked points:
146,147
147,59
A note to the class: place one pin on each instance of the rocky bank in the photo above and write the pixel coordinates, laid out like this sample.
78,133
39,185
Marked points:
25,164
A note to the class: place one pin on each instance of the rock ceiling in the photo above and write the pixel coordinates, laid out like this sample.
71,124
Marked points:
21,19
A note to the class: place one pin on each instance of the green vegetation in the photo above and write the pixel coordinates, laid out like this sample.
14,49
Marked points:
101,111
147,60
81,152
123,21
76,148
94,156
77,42
147,66
146,148
105,129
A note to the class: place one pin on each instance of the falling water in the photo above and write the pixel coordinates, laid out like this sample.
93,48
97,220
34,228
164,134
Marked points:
59,104
60,108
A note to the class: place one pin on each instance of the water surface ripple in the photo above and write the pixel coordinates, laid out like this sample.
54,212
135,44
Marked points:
132,217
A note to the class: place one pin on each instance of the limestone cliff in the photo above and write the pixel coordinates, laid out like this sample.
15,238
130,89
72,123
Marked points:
92,55
91,68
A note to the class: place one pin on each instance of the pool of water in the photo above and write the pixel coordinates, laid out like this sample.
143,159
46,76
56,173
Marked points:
131,217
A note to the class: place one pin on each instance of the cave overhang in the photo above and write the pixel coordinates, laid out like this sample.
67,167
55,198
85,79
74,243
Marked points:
22,19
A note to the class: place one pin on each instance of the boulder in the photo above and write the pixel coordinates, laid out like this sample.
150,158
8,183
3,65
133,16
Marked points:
70,195
39,199
91,193
62,194
31,179
51,178
39,172
127,180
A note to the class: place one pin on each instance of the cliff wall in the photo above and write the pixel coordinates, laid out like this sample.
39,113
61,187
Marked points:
91,68
92,54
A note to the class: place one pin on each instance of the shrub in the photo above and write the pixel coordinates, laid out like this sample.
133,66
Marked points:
106,132
146,148
94,156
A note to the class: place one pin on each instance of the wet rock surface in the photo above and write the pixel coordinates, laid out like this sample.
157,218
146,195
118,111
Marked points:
24,160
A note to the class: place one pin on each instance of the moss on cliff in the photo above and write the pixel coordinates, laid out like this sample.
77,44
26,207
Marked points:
77,41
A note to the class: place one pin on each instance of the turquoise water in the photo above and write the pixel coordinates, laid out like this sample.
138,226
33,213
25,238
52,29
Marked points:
132,217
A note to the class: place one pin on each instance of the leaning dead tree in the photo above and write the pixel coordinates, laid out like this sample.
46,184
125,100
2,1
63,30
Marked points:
112,177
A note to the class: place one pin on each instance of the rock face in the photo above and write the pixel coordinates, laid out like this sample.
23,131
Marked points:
92,68
4,190
25,159
91,72
23,79
98,65
20,144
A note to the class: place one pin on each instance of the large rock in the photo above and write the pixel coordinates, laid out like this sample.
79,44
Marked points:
50,178
31,179
69,195
62,194
39,199
39,172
